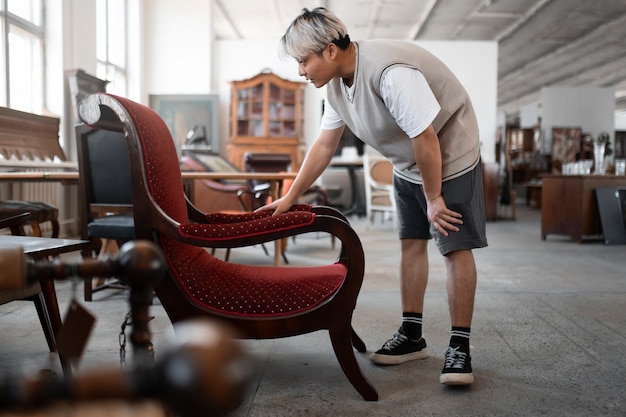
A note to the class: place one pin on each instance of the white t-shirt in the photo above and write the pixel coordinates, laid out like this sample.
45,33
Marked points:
413,108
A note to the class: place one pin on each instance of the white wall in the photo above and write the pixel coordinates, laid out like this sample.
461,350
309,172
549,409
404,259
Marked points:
529,116
177,46
620,121
590,108
236,60
476,66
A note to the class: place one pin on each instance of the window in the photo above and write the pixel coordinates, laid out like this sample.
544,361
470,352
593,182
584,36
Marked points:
111,27
21,55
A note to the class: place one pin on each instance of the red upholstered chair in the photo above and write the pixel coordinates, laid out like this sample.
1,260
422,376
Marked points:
262,302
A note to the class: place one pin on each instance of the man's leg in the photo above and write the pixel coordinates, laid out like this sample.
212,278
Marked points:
407,343
461,286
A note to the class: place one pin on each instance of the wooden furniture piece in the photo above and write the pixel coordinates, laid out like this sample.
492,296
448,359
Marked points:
357,205
25,136
533,193
620,144
206,194
80,84
32,292
264,162
105,198
569,205
42,248
522,156
491,179
266,115
214,367
566,146
378,179
260,302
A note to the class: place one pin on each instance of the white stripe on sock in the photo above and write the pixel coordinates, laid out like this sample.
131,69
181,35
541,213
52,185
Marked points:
416,320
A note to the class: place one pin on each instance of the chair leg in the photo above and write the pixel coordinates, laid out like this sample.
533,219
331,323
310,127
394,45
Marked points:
108,247
88,282
87,290
44,319
36,229
342,338
55,228
358,343
52,304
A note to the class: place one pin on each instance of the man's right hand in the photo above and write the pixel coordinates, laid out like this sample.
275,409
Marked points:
279,206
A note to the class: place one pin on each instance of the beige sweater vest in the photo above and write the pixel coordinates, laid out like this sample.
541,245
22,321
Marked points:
369,119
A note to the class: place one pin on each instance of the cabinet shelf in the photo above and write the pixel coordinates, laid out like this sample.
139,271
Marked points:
266,117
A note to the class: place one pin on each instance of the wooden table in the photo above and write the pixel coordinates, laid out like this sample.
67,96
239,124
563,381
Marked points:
569,205
43,247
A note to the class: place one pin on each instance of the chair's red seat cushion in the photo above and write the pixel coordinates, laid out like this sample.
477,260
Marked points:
248,290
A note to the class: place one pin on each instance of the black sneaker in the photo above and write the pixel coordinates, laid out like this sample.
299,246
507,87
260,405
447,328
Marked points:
400,349
457,369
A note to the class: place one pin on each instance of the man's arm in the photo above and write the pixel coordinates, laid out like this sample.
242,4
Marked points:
315,162
428,157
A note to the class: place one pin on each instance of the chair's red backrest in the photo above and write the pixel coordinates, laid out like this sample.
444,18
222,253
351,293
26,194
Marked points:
160,159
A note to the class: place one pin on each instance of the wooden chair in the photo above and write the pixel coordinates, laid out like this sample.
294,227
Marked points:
378,178
261,302
105,198
33,292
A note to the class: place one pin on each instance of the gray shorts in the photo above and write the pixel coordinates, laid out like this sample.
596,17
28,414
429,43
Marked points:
463,195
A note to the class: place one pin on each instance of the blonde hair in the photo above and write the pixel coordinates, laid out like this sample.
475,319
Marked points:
311,32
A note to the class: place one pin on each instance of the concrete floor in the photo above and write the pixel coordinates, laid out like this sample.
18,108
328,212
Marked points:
548,336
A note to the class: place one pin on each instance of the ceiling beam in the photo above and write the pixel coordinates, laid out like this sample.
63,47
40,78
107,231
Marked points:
229,19
417,28
522,20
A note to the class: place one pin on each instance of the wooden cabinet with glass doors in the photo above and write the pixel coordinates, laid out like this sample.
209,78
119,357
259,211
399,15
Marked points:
266,117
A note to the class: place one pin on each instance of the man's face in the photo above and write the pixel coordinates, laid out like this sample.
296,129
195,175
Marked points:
319,69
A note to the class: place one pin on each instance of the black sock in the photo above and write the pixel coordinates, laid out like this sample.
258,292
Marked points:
460,336
412,325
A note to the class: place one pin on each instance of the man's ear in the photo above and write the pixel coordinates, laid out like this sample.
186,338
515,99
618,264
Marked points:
332,51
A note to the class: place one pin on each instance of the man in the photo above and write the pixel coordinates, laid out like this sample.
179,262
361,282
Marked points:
406,104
